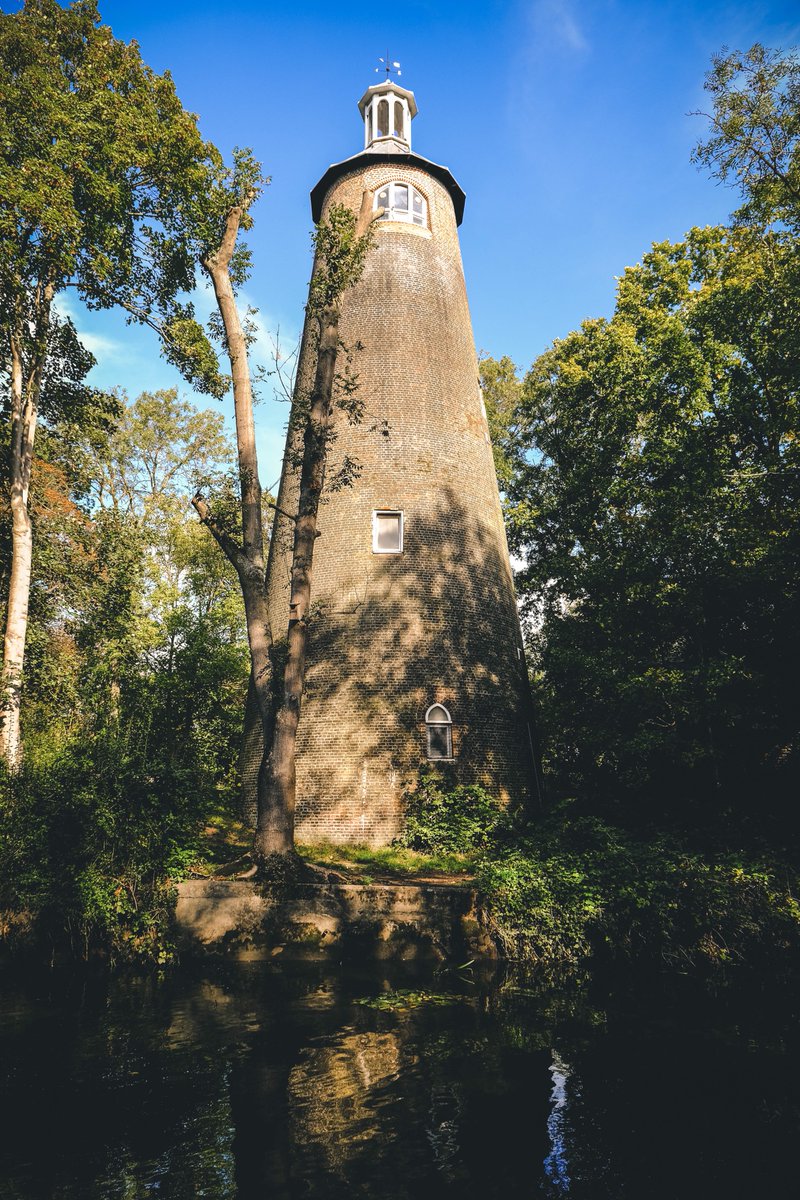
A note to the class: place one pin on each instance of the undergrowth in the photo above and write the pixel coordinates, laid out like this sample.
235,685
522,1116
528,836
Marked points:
91,845
444,817
566,891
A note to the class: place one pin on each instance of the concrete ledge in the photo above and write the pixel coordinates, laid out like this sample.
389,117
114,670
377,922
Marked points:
242,919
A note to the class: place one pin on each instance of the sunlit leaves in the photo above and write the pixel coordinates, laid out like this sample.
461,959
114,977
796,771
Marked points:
657,510
754,136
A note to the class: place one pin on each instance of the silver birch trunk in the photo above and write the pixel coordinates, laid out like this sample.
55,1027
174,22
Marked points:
25,386
247,558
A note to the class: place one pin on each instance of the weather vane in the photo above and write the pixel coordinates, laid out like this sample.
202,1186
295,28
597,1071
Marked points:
388,66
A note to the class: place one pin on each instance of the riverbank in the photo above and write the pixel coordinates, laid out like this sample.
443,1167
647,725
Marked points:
565,892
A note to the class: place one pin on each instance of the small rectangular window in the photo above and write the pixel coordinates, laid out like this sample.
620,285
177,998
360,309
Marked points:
387,532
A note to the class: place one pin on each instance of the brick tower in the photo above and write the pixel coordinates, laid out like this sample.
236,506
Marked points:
415,653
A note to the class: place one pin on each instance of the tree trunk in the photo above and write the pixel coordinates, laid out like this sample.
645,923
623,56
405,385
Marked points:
251,756
275,832
276,780
248,559
24,411
278,791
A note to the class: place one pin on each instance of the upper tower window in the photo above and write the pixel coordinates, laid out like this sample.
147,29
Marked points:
402,202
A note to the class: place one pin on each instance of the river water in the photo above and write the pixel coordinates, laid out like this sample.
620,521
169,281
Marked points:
273,1081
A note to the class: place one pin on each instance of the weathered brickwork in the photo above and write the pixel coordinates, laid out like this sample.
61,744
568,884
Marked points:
392,634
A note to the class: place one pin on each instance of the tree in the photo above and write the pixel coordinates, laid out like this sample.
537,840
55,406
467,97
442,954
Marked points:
100,167
659,513
342,241
501,389
754,141
226,264
160,450
341,244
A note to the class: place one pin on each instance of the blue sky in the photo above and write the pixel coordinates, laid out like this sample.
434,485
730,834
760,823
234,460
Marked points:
565,121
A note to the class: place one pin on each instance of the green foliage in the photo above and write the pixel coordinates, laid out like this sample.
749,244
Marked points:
404,999
340,257
657,505
91,840
444,818
576,890
501,388
108,187
137,672
754,136
103,175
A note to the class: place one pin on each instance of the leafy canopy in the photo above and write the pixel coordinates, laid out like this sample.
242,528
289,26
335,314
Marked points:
754,140
658,507
107,184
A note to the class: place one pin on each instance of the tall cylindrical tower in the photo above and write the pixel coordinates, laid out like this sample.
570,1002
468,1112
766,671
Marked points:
415,654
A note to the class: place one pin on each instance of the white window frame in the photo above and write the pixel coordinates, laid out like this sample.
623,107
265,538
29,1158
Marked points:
403,214
446,725
386,512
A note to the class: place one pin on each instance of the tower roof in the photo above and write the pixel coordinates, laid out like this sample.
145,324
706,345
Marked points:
387,110
369,159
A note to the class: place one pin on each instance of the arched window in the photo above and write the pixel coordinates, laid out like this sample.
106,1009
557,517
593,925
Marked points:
398,119
402,202
383,119
440,732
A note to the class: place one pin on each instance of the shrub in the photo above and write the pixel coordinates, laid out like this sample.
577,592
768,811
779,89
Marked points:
573,890
90,844
458,819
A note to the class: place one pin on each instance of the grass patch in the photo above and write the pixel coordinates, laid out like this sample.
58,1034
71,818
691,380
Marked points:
223,838
396,861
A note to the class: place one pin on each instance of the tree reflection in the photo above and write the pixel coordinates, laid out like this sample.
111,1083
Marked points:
270,1084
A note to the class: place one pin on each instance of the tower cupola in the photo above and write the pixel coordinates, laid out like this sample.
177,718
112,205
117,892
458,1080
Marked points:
388,111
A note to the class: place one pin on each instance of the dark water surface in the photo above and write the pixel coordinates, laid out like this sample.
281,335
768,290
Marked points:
269,1082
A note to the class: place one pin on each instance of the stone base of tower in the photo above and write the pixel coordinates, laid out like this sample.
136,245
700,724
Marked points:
395,922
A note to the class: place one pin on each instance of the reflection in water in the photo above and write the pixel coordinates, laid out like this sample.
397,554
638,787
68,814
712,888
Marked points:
263,1085
334,1093
555,1165
443,1129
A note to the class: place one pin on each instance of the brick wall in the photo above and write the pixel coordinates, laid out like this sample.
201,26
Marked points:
393,634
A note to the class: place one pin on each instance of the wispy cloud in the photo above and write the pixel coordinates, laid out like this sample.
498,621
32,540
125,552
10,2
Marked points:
554,24
102,347
105,349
